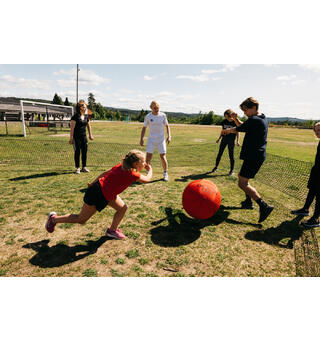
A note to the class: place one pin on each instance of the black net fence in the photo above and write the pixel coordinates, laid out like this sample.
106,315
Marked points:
284,174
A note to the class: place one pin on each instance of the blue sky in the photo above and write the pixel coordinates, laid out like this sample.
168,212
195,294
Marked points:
282,89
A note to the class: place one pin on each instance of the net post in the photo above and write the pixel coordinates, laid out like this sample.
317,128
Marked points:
22,116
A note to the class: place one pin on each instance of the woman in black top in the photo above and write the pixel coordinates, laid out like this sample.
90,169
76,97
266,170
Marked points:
227,140
314,189
78,136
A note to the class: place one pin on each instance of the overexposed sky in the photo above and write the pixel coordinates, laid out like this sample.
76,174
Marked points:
282,89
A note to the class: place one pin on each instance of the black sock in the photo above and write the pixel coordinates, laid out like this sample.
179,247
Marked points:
248,199
260,202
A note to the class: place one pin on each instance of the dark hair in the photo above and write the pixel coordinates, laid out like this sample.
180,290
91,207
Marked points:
249,103
228,112
132,157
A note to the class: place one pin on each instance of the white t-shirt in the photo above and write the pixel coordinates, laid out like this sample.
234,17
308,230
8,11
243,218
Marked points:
156,124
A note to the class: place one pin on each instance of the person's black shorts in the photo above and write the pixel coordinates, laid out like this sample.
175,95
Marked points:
250,168
94,197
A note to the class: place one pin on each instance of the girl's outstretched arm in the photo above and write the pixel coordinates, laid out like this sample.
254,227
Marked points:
146,178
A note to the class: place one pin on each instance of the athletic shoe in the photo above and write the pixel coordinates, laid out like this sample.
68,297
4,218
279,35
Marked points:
77,171
165,176
214,169
311,223
301,212
247,205
265,211
85,170
231,172
50,225
116,234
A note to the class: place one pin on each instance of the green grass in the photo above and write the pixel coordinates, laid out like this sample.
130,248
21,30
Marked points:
162,240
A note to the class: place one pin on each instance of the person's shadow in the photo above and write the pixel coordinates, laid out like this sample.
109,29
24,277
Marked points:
282,236
206,175
183,230
61,254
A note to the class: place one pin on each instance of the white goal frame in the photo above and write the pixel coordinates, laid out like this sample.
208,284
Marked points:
42,103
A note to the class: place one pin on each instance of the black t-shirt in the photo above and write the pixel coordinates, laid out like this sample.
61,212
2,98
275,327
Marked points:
226,125
255,140
317,160
80,127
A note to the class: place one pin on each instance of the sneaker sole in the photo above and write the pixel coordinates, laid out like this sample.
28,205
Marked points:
301,214
313,225
114,237
49,215
262,219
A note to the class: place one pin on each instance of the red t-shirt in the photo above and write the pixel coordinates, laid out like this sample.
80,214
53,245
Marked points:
116,181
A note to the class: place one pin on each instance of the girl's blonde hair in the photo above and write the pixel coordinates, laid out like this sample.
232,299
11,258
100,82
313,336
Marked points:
316,124
132,157
154,104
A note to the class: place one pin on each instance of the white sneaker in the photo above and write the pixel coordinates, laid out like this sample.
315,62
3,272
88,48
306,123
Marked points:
165,176
77,171
85,170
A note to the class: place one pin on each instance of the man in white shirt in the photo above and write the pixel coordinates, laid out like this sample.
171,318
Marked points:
157,121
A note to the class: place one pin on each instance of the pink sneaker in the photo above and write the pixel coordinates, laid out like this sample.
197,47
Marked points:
50,225
117,234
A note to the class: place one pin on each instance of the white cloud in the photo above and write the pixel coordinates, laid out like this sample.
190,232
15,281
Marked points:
311,67
86,77
225,68
197,78
8,81
286,77
148,78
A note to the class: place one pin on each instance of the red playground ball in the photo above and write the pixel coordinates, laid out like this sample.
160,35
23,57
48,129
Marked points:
201,199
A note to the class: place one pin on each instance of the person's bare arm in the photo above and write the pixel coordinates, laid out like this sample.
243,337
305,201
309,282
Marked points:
143,131
72,125
146,178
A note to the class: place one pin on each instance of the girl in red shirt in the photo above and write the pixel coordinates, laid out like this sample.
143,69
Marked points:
105,190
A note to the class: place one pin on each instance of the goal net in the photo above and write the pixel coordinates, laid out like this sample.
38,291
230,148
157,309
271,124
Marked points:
33,117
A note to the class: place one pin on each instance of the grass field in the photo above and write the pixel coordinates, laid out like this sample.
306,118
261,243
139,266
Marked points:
162,239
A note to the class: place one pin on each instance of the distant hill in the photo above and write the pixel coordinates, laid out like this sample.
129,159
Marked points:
15,100
282,119
136,112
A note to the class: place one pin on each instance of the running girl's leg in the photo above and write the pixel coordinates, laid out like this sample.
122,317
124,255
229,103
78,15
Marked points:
164,162
148,158
120,208
86,212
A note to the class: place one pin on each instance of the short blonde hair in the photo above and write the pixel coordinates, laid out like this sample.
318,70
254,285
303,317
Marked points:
133,156
249,103
154,104
316,124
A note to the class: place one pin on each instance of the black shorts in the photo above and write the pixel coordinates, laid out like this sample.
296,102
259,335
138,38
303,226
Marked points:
250,168
94,197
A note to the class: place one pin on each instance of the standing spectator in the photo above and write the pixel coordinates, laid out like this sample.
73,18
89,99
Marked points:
78,137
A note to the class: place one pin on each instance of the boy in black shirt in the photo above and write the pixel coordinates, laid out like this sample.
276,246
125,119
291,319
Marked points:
314,189
227,140
253,152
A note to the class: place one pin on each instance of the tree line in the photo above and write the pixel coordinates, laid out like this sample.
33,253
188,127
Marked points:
99,112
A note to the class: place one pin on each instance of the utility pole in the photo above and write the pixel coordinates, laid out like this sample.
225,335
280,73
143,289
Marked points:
77,82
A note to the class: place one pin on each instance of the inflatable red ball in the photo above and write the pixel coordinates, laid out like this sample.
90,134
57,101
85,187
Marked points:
201,199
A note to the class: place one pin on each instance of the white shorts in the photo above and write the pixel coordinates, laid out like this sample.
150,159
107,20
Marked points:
161,146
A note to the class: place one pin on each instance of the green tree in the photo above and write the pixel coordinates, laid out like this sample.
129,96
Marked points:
91,102
57,99
66,102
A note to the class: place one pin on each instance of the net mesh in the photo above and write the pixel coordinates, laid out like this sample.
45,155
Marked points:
287,175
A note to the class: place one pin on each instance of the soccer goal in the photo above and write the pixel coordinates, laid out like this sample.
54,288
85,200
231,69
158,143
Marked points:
44,115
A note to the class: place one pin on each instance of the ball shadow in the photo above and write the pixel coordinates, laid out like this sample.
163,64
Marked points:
181,229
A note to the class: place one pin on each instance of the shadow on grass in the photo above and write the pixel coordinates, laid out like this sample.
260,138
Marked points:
41,175
183,230
206,175
287,232
61,254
